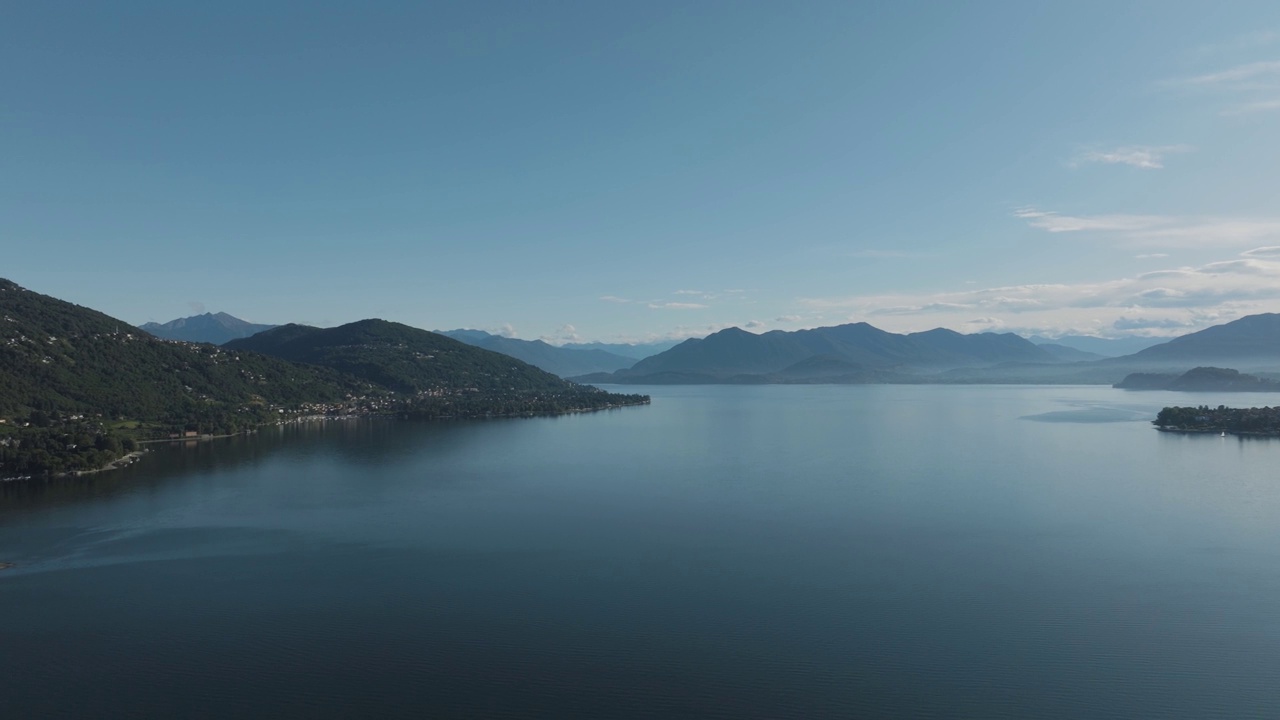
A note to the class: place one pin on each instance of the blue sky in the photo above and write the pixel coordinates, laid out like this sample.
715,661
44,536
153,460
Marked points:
609,171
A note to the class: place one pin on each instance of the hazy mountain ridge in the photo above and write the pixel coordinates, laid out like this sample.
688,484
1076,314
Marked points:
942,356
215,328
403,358
857,349
562,361
1104,347
1253,338
635,351
1068,354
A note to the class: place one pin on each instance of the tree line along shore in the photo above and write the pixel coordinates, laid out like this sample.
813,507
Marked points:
48,445
1204,419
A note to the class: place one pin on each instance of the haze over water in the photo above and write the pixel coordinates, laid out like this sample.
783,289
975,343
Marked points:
777,551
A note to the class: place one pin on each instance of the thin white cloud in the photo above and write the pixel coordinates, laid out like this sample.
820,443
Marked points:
1263,252
982,324
1057,223
676,306
679,333
614,299
1248,41
873,253
1148,157
698,294
1250,108
1162,230
788,319
1150,256
1183,297
1240,73
1253,86
564,334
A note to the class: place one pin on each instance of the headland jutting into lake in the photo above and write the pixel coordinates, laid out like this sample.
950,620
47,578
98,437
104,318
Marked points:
1264,421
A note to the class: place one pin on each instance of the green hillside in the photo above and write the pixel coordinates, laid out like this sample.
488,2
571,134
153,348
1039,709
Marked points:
402,358
57,357
435,376
79,388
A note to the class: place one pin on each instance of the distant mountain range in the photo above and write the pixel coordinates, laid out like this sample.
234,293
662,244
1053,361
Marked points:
1068,354
635,351
857,350
861,353
563,361
1101,347
215,328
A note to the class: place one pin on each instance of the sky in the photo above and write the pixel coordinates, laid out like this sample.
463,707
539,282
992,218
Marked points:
577,171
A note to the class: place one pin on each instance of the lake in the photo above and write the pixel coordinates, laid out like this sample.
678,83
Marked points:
727,552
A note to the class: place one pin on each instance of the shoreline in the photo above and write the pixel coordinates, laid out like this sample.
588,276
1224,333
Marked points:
123,461
1218,431
132,457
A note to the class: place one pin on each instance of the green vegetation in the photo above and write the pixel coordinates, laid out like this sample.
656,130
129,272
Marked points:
1243,421
517,403
63,359
435,376
64,447
78,389
402,358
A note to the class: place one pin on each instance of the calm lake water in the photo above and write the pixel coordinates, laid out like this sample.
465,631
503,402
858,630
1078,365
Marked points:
728,552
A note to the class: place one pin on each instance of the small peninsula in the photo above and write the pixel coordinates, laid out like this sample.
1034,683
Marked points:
1263,421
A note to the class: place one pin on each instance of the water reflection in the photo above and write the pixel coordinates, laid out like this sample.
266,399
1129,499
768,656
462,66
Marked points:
350,443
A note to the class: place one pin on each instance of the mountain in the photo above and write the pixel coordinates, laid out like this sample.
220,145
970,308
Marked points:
636,351
985,347
208,328
1068,354
828,369
60,357
400,357
1251,340
729,352
1252,343
1201,379
78,388
1106,347
733,354
565,362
